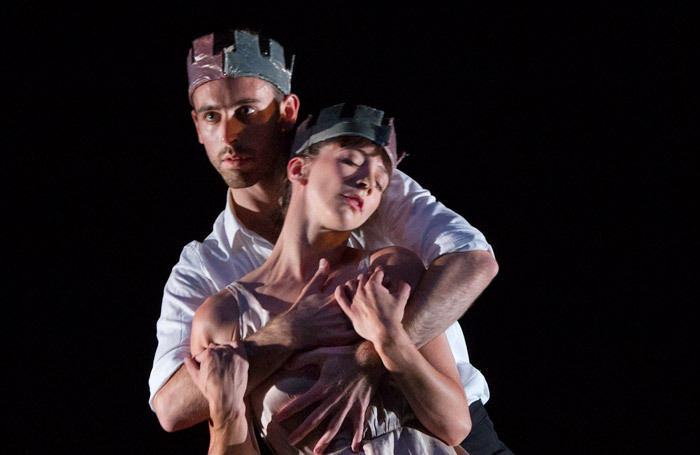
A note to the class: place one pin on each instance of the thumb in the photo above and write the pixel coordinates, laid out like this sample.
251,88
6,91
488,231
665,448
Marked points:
404,293
404,290
319,278
192,367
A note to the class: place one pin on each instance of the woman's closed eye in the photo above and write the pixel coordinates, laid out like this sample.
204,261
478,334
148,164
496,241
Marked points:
350,162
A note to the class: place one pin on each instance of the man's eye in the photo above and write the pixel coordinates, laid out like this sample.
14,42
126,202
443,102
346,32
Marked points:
245,110
211,116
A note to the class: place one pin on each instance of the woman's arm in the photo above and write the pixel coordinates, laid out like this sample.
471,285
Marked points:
428,378
220,372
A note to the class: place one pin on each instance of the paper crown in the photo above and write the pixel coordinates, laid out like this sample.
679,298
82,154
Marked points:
333,122
243,56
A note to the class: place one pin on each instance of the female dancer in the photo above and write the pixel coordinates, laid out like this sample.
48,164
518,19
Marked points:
340,169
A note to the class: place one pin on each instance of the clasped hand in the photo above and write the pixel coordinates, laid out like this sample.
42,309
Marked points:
220,372
375,311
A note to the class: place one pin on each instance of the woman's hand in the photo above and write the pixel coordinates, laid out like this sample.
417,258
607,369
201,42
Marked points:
221,374
374,310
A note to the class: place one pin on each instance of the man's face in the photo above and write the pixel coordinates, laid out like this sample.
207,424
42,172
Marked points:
238,121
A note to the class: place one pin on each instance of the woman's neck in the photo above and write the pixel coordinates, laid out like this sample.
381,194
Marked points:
299,249
301,244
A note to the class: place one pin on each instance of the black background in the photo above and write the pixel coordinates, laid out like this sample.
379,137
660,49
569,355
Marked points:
566,134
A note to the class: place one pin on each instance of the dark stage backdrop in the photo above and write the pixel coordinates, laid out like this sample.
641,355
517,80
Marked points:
565,134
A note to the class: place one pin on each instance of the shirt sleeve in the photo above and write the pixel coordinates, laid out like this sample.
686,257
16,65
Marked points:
186,289
411,217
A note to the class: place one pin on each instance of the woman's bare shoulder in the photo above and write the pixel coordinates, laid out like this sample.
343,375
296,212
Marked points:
219,305
398,263
215,321
395,255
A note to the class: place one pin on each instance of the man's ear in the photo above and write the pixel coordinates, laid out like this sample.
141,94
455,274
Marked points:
296,170
289,111
196,125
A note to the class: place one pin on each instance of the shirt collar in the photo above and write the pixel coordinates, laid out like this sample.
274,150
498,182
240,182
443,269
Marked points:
233,226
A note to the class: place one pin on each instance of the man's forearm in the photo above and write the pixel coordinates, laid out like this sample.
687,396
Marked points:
179,404
445,292
267,350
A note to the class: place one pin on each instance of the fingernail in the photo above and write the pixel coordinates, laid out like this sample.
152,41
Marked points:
323,263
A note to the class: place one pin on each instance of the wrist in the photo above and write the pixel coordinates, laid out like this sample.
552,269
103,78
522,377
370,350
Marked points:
227,432
279,331
222,438
368,359
221,420
394,349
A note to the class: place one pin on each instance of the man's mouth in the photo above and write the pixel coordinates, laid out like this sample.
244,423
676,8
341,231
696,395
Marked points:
236,160
236,156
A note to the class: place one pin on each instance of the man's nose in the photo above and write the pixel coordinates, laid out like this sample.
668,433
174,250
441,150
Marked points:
230,130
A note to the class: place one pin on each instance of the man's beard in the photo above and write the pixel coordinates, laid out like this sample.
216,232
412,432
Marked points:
239,178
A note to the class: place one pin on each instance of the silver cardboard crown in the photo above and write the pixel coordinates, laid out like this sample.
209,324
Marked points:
242,59
366,122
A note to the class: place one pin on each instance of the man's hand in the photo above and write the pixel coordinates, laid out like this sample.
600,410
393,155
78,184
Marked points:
297,329
312,309
344,389
220,372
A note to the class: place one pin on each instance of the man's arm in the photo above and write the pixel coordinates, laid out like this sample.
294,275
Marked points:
446,291
179,404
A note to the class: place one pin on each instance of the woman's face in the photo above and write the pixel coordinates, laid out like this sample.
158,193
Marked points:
344,185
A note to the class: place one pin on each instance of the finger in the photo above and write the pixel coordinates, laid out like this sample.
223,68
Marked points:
377,277
203,355
316,284
238,348
361,280
404,291
342,300
386,282
199,355
349,289
358,424
351,284
300,402
331,430
312,421
313,357
192,368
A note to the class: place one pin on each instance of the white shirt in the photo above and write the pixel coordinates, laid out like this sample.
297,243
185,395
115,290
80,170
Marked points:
408,216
